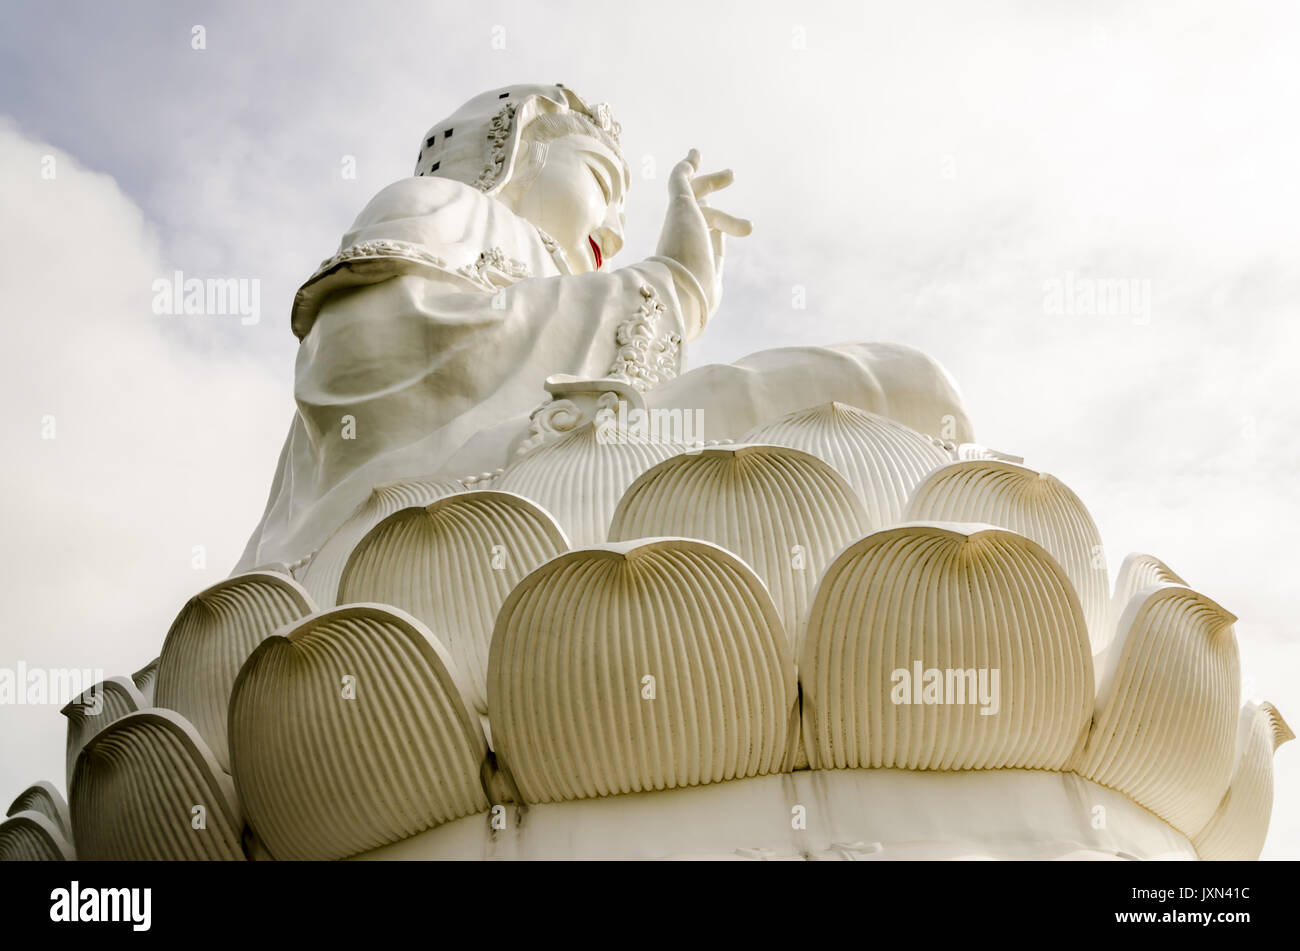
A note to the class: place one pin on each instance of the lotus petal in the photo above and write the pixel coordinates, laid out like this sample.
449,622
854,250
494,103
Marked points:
320,575
1237,829
784,511
31,836
351,731
642,665
209,641
96,708
146,679
451,564
973,450
147,788
1137,573
579,479
1164,730
44,798
882,459
958,599
1034,504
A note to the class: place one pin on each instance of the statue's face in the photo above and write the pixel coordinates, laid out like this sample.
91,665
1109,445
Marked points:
577,198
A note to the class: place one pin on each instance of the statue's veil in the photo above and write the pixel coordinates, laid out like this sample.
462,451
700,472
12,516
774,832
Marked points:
480,142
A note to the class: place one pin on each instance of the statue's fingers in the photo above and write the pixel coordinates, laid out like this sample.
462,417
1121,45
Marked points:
679,180
719,241
707,184
729,224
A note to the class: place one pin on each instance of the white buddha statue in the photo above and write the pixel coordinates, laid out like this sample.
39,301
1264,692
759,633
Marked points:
620,648
428,338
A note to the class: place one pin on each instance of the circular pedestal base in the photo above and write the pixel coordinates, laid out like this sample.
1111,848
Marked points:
878,814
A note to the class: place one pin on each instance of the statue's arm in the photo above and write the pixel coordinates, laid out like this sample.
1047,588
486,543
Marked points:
692,241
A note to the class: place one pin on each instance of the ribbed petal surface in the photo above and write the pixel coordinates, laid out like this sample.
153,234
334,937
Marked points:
1237,829
784,511
146,680
44,798
1137,573
1166,722
322,775
1034,504
29,836
451,564
210,640
579,479
320,576
114,697
953,598
135,788
576,641
882,459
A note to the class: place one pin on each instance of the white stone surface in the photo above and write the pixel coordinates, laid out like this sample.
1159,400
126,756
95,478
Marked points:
862,815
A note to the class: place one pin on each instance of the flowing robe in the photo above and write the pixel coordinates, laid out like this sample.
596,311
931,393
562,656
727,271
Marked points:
441,317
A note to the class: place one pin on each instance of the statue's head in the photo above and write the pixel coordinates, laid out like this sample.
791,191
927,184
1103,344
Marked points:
546,154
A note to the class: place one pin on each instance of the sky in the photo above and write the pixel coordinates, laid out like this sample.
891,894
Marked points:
934,174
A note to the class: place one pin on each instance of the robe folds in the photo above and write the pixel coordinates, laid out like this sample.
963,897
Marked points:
441,316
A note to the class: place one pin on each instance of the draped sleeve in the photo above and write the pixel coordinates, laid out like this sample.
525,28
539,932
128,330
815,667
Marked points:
442,315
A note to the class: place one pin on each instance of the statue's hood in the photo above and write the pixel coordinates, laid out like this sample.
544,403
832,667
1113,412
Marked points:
479,143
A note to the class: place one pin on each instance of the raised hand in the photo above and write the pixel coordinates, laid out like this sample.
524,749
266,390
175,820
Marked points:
693,231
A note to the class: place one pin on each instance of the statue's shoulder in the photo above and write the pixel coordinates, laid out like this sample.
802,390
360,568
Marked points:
437,228
420,197
453,223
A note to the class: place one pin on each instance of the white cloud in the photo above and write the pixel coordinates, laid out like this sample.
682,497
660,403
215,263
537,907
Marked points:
158,446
